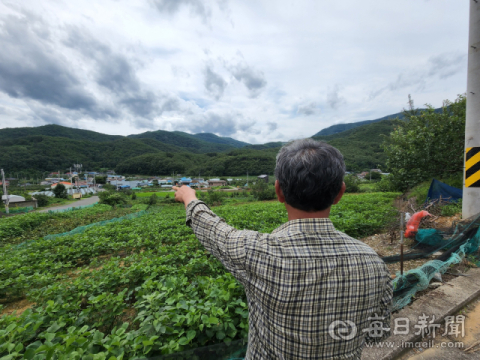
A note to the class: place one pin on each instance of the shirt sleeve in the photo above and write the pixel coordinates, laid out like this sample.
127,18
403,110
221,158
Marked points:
224,242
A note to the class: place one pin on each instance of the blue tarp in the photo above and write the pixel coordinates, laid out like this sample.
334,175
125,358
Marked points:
447,192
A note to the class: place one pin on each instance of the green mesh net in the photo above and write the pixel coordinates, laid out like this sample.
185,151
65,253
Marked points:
81,229
429,236
464,241
18,210
73,208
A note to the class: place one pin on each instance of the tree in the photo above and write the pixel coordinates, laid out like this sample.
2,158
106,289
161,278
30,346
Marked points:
60,191
375,175
263,191
427,145
100,179
111,198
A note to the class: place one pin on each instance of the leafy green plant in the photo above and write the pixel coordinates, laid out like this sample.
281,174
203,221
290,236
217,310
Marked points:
142,287
452,209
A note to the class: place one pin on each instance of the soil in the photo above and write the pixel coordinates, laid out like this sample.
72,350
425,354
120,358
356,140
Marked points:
17,307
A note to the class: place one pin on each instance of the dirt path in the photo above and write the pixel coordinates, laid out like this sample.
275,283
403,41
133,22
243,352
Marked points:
82,202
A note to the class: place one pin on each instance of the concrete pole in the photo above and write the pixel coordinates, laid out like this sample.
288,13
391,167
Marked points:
471,188
5,192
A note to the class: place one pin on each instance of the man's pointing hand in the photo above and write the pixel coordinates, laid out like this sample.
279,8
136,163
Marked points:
184,194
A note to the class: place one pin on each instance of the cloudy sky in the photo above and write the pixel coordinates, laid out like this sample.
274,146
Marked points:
257,71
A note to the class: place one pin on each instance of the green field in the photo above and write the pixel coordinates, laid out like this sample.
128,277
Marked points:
138,287
158,193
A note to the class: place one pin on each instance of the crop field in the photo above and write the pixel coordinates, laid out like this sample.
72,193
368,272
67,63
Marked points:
136,288
158,193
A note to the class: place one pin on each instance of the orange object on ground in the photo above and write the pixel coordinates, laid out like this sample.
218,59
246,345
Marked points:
414,222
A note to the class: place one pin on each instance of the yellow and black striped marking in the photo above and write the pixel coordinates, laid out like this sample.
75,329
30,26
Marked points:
472,167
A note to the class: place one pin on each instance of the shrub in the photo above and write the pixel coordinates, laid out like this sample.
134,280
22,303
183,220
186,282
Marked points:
263,191
152,200
385,185
111,198
214,197
351,182
452,209
42,200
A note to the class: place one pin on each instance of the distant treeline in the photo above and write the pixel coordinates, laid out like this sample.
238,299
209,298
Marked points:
33,151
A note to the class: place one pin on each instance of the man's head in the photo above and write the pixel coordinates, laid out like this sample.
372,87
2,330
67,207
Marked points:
310,174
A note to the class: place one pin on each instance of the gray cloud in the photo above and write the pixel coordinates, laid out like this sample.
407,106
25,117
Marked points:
31,69
254,80
213,82
307,109
172,7
334,100
223,124
272,126
114,71
446,65
441,66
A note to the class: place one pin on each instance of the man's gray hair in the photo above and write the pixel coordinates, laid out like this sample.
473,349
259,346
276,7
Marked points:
310,174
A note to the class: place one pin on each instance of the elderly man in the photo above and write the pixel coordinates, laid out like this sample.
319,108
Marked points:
313,292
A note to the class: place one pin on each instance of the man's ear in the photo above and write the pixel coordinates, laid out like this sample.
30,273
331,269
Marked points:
340,194
279,192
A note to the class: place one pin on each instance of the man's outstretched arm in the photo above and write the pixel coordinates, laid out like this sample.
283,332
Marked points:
224,242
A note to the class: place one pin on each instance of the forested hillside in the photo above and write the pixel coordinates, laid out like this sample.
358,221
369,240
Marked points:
197,144
52,148
361,146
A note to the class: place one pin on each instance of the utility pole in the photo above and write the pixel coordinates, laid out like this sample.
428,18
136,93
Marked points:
471,187
247,178
5,192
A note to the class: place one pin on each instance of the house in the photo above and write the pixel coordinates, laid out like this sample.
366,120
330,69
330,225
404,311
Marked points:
185,181
7,183
13,198
263,177
216,182
64,183
19,201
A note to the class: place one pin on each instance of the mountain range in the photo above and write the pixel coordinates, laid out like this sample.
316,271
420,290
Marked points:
54,147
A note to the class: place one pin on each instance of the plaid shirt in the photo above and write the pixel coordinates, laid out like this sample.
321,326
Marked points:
299,280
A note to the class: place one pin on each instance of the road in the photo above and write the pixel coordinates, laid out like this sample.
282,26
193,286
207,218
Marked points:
82,202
